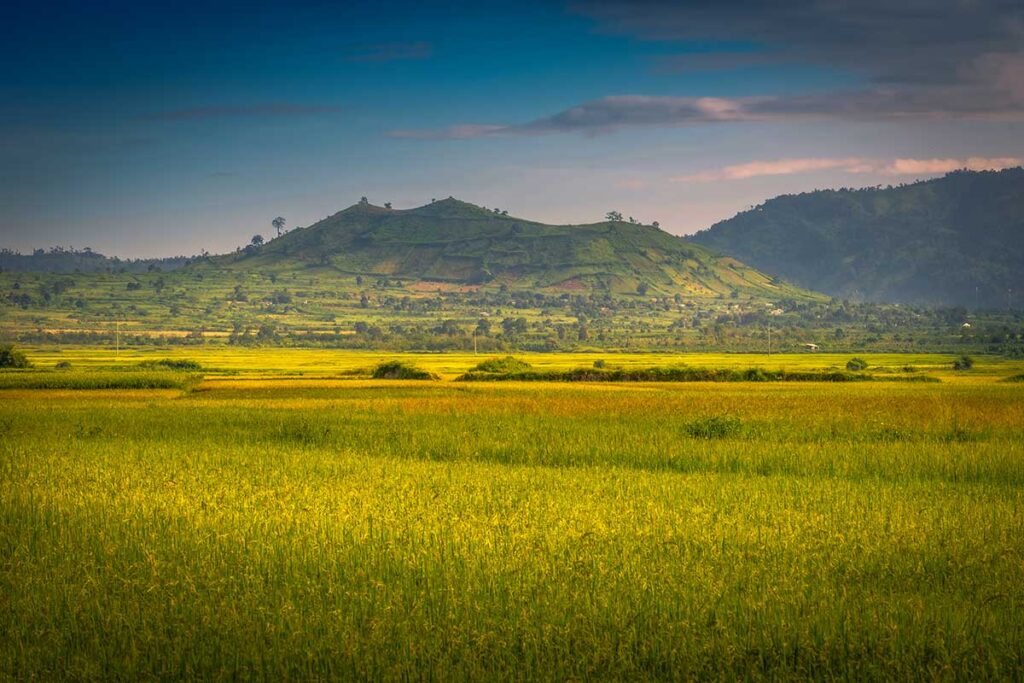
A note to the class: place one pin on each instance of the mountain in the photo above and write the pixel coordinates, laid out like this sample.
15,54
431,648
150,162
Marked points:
956,240
455,242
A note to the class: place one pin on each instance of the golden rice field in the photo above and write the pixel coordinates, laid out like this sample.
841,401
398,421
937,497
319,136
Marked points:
270,526
248,362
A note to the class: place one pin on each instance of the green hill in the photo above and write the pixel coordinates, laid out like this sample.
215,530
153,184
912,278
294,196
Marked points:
455,242
956,240
448,275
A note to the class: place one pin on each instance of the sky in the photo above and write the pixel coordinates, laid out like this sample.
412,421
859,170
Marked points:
155,129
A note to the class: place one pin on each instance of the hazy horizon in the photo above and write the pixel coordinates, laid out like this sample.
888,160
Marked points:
268,232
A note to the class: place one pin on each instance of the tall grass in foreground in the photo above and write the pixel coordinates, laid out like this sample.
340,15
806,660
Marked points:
868,530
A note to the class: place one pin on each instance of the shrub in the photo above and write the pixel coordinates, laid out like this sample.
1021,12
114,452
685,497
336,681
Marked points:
11,357
755,375
502,365
856,364
171,364
63,365
714,427
963,363
398,370
599,363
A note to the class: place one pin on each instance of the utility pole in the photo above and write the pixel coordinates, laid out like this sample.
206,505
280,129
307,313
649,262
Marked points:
117,338
769,340
474,343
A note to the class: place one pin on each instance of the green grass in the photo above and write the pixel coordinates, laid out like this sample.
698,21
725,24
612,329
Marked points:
290,529
116,379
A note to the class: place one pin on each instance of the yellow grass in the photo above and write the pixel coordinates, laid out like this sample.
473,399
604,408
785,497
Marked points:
274,526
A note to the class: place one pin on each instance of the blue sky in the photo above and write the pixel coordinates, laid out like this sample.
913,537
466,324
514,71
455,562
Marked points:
140,130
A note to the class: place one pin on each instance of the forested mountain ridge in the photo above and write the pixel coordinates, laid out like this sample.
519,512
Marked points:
955,240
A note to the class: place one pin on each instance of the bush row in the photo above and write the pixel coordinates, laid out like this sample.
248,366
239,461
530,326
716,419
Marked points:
679,374
136,379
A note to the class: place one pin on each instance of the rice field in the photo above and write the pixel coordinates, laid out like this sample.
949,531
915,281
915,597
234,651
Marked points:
220,361
273,525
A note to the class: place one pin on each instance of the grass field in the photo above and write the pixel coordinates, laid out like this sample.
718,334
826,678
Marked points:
219,361
271,525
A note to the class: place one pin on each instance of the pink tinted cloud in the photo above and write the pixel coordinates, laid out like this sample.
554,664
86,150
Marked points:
929,166
754,169
893,167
